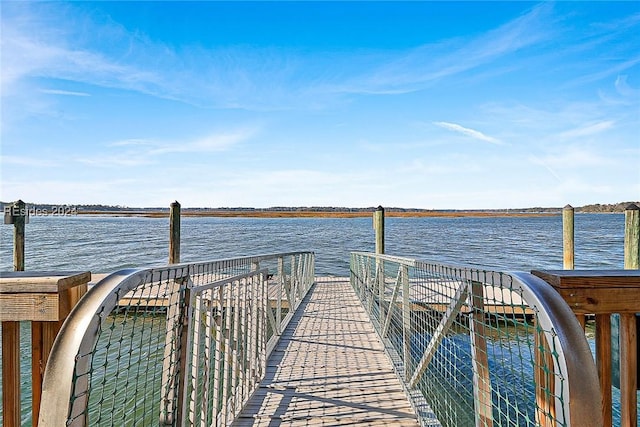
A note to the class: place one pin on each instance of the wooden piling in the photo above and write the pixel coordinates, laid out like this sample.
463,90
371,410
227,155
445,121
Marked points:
568,247
174,233
19,214
378,226
174,353
632,237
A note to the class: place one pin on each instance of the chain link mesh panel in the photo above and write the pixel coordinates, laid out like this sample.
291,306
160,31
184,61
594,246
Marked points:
473,346
184,344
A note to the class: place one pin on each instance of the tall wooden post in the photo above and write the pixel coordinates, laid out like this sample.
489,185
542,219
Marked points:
17,215
629,324
568,250
632,237
174,233
378,226
568,247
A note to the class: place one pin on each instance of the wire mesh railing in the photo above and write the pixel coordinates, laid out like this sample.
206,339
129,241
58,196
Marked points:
478,347
184,344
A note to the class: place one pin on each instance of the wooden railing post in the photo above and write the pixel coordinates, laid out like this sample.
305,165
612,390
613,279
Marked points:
174,233
603,364
16,215
629,325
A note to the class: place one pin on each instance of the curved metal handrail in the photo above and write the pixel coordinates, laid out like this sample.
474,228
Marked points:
72,340
581,391
79,333
582,387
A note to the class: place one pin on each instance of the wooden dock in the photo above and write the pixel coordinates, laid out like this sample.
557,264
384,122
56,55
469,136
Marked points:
424,296
329,368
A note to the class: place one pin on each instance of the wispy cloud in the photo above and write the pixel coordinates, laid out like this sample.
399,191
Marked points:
210,143
414,69
624,89
27,161
587,130
71,191
254,78
107,161
469,132
571,157
132,143
64,92
617,68
139,151
34,46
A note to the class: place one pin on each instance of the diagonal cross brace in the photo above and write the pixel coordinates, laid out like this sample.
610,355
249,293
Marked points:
445,323
394,296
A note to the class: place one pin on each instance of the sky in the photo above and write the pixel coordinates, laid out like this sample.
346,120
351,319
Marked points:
435,105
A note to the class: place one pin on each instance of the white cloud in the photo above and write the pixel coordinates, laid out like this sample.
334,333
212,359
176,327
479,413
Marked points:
139,151
35,45
215,142
469,132
132,142
416,68
420,170
73,191
624,89
27,161
571,157
64,92
587,130
114,161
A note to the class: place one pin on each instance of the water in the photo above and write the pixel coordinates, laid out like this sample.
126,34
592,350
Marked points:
105,244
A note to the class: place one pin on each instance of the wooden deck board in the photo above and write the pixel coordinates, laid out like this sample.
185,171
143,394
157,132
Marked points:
329,368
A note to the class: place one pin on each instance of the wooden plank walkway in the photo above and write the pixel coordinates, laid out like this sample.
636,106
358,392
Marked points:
329,368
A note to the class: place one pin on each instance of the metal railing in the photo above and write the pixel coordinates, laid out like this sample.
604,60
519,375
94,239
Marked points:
478,347
184,344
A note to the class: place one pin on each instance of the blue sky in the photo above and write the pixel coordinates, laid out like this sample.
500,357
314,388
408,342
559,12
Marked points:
439,105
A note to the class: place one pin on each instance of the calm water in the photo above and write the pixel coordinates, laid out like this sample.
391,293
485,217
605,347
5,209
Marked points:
104,244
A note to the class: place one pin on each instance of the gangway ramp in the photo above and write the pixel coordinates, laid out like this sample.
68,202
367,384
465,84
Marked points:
329,368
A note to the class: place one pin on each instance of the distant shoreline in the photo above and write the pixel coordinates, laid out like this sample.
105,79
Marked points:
39,209
313,214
